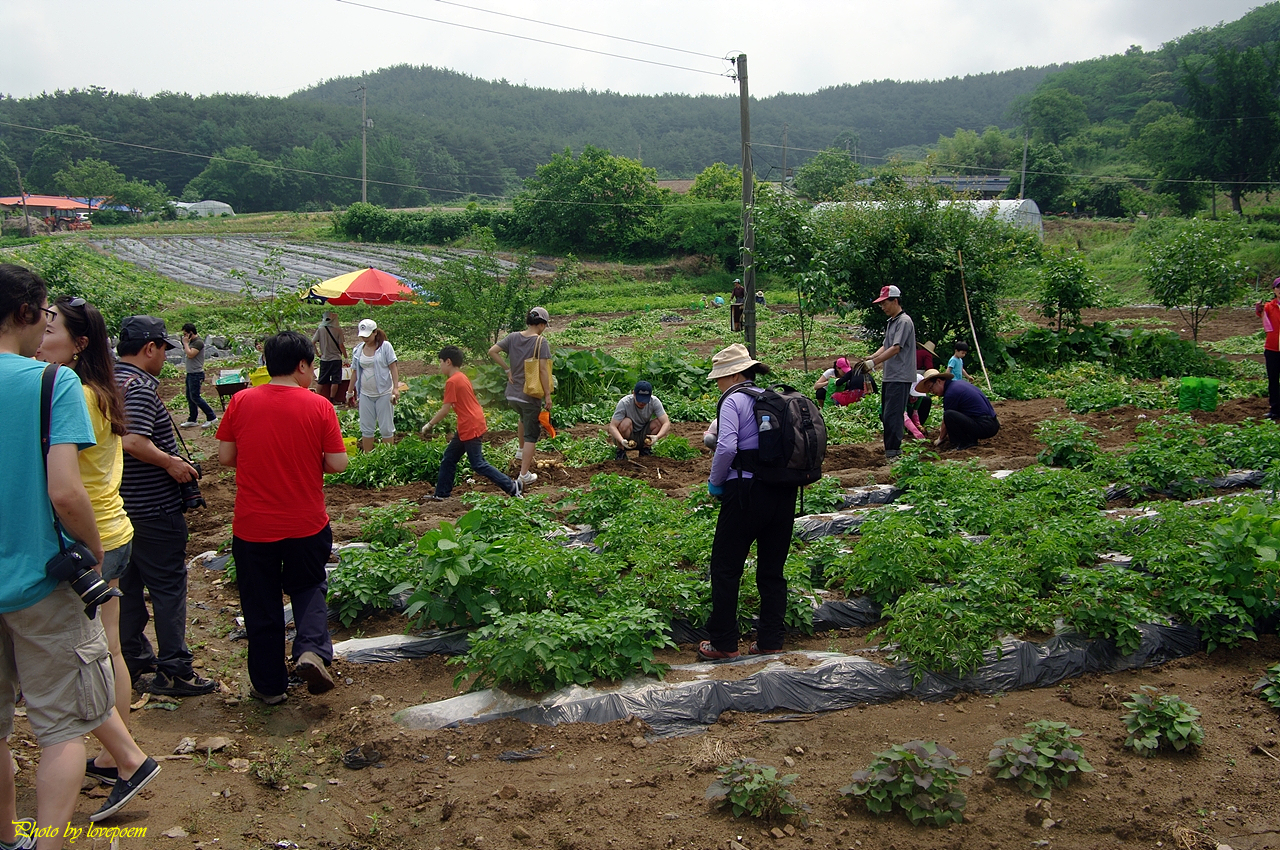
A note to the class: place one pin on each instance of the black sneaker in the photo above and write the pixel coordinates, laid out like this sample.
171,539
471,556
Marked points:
105,775
646,452
620,454
193,687
125,789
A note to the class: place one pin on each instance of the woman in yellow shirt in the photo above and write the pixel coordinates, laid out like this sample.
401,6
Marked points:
77,338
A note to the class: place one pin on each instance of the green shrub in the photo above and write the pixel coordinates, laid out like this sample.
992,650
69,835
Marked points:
366,578
1040,759
919,777
384,525
1154,721
675,448
748,788
1067,443
547,650
1268,686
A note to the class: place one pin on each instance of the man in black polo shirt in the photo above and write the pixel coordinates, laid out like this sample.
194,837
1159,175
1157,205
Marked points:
152,472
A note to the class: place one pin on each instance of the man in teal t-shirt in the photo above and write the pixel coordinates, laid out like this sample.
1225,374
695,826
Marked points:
49,649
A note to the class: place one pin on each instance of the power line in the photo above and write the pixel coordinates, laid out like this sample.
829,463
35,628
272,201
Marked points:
575,29
531,38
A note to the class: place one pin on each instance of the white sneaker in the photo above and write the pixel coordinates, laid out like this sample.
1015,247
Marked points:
212,423
190,423
527,478
517,488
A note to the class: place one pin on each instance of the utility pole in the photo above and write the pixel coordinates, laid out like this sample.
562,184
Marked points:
1022,181
364,143
784,159
22,193
748,187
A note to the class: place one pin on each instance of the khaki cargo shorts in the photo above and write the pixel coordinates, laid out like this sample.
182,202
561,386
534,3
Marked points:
58,659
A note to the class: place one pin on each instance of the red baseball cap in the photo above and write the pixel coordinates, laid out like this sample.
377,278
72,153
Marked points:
888,292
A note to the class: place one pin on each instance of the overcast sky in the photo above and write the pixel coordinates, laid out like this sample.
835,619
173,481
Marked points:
276,47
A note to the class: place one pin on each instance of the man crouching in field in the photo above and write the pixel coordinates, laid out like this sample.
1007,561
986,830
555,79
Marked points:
281,439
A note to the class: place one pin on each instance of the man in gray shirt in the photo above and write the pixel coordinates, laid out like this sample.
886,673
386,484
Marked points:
193,347
331,350
638,419
898,354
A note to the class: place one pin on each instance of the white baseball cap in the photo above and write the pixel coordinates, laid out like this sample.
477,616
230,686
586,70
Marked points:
366,329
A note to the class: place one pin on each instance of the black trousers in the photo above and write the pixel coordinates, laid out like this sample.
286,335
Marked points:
157,565
1272,359
964,431
264,571
750,512
893,403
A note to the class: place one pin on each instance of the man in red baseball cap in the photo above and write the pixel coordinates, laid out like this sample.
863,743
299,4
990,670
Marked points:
898,354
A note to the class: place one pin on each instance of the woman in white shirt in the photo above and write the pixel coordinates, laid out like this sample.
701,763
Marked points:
375,381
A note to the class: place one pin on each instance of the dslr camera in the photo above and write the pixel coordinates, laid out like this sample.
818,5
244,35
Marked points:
75,566
189,492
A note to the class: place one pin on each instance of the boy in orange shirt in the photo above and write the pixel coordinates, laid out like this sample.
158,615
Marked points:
460,397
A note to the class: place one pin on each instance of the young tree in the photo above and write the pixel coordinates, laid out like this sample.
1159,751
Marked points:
142,198
1055,114
1191,270
1233,98
823,177
896,233
478,296
594,203
90,178
718,182
1066,288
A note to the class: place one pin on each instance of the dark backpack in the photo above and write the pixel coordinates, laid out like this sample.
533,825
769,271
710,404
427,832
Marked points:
793,437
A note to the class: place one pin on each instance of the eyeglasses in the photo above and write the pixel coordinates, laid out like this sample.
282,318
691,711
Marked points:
52,315
77,302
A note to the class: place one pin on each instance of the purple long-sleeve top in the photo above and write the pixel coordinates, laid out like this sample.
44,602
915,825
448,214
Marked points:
737,431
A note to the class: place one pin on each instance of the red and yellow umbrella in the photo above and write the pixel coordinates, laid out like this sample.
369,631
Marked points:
368,286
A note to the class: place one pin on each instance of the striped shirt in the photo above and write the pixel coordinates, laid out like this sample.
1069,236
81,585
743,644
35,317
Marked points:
148,491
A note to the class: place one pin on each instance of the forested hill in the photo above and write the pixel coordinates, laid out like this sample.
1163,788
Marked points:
1115,87
679,135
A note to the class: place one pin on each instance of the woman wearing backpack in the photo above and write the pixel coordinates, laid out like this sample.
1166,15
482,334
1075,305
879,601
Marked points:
750,511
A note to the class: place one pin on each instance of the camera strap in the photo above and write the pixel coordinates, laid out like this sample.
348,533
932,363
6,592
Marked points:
47,381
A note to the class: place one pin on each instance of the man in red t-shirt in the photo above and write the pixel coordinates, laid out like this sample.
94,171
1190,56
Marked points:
460,397
281,439
1269,312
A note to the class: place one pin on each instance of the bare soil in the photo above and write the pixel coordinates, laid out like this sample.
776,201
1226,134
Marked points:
282,779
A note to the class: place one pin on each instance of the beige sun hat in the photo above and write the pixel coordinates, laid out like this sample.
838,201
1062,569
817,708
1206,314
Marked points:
731,361
928,377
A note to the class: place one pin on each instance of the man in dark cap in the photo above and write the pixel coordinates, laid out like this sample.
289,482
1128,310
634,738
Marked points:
153,473
638,421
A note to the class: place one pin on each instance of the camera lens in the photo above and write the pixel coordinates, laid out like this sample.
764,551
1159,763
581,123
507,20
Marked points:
92,590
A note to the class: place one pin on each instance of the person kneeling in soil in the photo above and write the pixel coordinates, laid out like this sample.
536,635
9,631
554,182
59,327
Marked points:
967,414
638,421
460,397
281,439
750,511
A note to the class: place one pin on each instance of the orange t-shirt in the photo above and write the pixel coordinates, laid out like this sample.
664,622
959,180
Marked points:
458,392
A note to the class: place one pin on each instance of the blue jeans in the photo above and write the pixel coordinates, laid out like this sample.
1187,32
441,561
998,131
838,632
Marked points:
194,382
480,466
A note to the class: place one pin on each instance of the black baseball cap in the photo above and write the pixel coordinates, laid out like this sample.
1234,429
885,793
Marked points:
643,391
146,329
